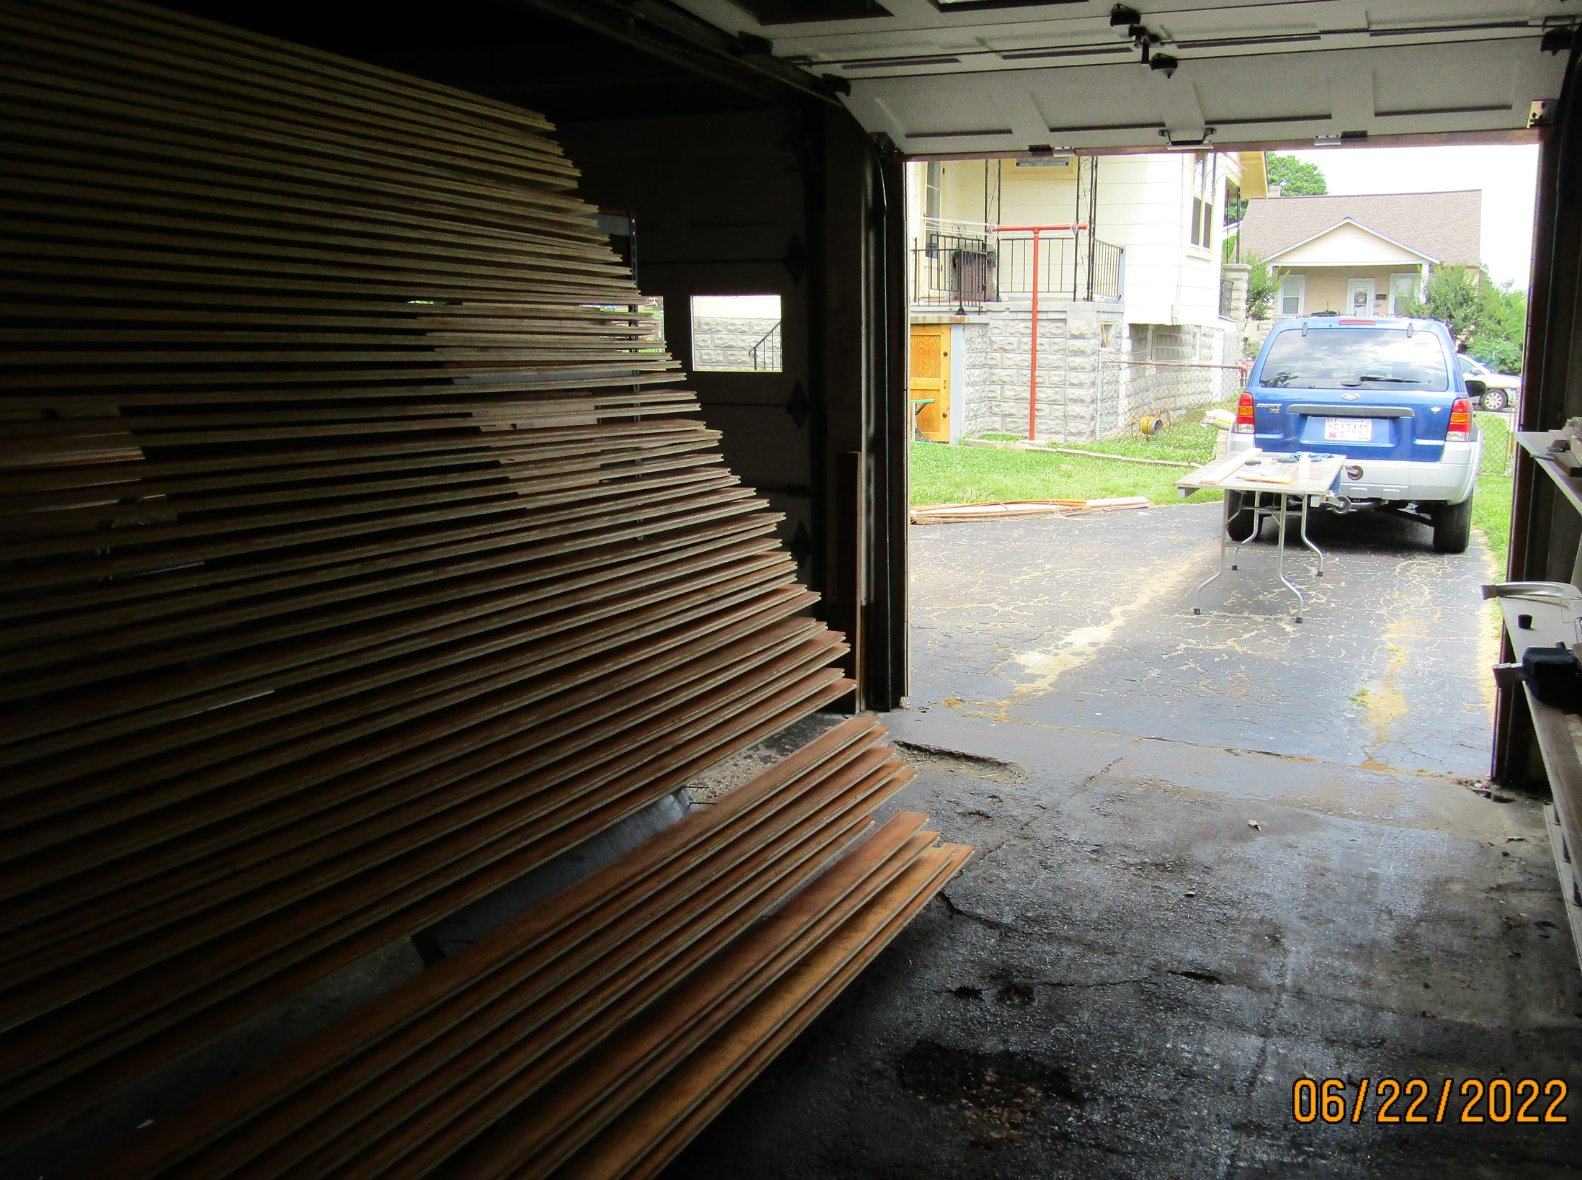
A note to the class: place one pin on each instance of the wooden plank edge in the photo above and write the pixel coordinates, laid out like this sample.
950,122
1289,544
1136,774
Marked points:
624,1069
692,1096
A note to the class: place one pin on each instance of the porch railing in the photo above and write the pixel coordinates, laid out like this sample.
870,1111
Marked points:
765,354
964,267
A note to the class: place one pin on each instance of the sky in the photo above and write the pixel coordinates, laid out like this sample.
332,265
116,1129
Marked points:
1507,174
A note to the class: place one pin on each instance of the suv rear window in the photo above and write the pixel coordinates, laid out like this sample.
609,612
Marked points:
1356,358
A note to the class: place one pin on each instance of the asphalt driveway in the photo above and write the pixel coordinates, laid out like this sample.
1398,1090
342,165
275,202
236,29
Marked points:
1086,622
1218,857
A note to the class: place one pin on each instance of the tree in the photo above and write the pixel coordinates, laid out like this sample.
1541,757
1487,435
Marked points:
1489,322
1296,178
1455,298
1501,339
1262,283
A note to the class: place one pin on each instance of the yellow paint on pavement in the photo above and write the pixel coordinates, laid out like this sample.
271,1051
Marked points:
1080,646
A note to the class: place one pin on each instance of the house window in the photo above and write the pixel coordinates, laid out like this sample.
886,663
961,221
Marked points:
1293,295
933,204
933,189
1403,287
1205,167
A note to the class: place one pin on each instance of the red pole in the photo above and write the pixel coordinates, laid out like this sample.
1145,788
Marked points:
1032,391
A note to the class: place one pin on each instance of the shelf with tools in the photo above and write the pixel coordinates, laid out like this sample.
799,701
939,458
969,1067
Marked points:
1543,622
1546,615
1540,445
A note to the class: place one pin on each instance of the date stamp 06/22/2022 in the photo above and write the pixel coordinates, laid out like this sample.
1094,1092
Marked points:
1421,1102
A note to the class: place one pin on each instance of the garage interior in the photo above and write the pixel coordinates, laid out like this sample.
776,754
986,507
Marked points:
174,833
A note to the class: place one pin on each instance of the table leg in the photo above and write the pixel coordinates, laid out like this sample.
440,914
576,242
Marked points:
1224,532
1280,555
1319,573
1259,512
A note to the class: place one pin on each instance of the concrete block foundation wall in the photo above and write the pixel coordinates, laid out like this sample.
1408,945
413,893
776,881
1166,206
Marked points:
1072,339
1096,375
1172,370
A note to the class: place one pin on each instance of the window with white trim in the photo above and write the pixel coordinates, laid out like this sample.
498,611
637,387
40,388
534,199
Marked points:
1293,294
1403,287
1205,168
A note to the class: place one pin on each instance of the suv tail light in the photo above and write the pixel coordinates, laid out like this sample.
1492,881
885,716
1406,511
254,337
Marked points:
1460,429
1244,414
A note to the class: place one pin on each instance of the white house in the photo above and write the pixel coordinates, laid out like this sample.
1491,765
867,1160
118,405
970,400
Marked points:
1129,280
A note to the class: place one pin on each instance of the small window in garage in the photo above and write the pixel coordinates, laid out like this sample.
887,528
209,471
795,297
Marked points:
736,333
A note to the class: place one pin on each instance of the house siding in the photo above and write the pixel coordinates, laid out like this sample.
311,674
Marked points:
1145,205
963,197
1042,195
1326,286
1444,225
1346,245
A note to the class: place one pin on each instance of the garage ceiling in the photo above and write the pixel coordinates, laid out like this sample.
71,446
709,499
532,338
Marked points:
944,78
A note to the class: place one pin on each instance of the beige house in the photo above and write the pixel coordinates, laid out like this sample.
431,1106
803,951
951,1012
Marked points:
1361,254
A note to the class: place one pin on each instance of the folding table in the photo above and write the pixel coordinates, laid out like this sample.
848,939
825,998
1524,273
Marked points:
1307,479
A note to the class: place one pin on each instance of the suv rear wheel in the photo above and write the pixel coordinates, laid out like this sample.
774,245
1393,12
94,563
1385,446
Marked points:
1241,522
1453,527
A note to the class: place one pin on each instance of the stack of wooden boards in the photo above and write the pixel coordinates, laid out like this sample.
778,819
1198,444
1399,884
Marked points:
590,1017
354,565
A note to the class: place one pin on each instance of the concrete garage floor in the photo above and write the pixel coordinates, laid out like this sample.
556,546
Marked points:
1129,977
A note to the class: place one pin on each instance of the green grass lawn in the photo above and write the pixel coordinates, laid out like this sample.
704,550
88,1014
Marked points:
969,475
1491,503
972,475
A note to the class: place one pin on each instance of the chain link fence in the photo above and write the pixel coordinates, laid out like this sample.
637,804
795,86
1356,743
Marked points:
1168,391
1498,429
1173,392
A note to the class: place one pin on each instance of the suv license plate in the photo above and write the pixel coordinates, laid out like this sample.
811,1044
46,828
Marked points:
1348,429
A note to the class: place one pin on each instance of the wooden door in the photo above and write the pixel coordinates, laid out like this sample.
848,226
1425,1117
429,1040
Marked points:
929,384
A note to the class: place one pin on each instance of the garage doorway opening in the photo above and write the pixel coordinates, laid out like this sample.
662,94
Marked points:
1077,614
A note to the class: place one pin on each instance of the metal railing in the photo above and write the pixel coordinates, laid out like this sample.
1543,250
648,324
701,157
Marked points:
954,270
766,353
966,267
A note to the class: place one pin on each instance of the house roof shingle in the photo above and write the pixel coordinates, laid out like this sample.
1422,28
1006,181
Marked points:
1446,226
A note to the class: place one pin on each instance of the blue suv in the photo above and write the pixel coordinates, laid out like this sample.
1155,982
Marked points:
1385,393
